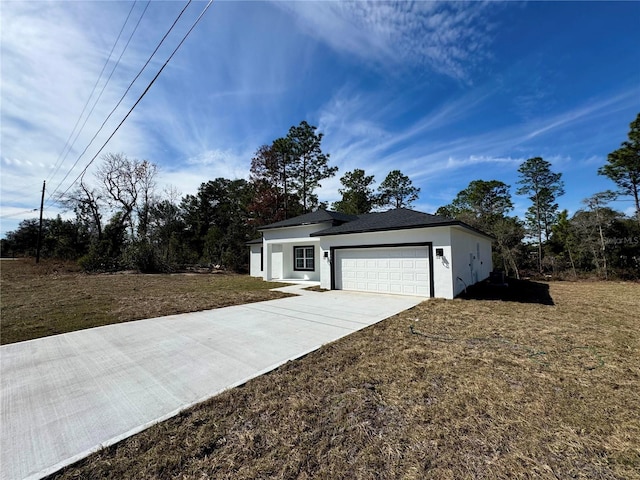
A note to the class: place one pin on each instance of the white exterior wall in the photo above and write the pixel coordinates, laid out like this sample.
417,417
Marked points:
254,261
472,261
279,243
288,270
439,236
466,256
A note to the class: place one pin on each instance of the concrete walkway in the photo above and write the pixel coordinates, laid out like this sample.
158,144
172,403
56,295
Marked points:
66,396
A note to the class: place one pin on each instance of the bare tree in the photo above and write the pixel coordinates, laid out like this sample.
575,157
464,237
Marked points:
87,203
128,185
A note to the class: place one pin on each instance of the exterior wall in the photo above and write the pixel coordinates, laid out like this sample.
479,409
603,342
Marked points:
471,259
288,270
439,237
254,261
466,257
278,248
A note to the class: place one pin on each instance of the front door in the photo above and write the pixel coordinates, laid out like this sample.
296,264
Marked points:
276,261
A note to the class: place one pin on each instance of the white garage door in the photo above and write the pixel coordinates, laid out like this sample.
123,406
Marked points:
400,270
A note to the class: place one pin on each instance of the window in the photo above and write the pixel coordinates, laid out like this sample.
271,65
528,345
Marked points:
261,259
303,258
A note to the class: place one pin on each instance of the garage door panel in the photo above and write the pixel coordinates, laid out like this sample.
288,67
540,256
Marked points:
399,270
422,291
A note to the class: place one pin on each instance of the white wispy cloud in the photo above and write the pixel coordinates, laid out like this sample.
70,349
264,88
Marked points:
51,61
449,38
590,110
436,149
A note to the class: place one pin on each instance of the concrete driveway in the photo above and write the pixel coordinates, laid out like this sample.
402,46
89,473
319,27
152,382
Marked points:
66,396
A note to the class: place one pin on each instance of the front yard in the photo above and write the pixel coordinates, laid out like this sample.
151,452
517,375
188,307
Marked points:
54,297
542,388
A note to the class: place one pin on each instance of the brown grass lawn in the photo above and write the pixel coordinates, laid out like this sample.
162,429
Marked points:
55,297
464,389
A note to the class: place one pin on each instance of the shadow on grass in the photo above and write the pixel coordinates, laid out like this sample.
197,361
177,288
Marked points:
521,291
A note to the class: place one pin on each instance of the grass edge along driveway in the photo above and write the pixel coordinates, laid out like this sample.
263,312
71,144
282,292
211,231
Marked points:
54,297
448,389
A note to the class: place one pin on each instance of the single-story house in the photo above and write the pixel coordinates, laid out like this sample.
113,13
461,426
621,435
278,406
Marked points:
399,251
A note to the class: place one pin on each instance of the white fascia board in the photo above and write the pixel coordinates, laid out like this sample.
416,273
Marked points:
291,234
310,241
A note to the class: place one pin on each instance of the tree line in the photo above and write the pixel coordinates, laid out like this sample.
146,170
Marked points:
595,239
122,221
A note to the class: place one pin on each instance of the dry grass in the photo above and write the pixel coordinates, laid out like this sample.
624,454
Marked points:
317,288
55,297
448,390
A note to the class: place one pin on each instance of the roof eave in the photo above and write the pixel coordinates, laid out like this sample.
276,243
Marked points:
452,223
261,229
381,229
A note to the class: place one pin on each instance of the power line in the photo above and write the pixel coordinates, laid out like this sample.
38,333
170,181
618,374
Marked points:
59,162
9,215
123,97
197,20
115,66
96,103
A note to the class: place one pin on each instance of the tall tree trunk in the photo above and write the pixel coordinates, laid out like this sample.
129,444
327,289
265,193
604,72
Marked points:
596,258
538,222
515,266
284,184
304,183
602,244
637,200
573,266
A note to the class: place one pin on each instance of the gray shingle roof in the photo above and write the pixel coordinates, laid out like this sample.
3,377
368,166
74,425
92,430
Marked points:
255,241
319,216
397,219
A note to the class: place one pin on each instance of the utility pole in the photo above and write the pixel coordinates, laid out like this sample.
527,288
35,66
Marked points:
40,227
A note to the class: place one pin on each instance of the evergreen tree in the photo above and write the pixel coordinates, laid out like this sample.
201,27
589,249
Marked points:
542,186
623,165
310,165
397,191
358,195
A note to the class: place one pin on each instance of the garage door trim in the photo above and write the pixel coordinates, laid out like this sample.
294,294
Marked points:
429,246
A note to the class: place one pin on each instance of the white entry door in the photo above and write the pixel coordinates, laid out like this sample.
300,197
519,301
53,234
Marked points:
399,270
276,262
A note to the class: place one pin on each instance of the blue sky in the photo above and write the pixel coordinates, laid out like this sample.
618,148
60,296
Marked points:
445,92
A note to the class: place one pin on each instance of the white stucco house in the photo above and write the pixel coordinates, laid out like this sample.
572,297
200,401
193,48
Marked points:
399,251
